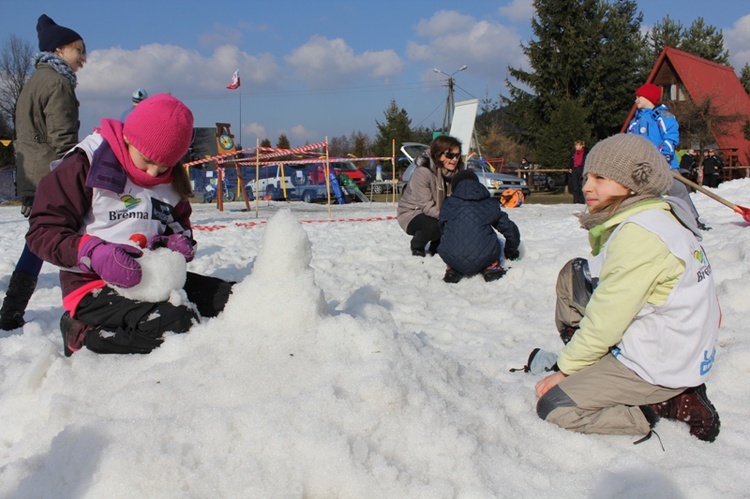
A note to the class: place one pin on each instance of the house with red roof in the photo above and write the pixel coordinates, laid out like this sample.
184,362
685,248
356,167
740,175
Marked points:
684,77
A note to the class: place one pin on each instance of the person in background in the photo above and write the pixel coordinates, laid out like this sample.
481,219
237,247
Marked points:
429,185
525,167
468,220
712,168
47,125
655,122
137,97
689,165
630,356
121,184
576,171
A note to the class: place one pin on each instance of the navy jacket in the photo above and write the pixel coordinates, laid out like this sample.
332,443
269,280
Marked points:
467,218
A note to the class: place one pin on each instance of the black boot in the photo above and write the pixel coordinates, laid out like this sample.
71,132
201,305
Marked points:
19,293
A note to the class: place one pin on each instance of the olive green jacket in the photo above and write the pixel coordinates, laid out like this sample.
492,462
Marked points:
46,125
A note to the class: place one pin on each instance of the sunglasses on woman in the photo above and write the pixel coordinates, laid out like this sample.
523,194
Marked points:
452,155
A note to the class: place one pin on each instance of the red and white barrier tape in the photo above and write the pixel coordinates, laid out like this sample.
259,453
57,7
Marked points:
250,225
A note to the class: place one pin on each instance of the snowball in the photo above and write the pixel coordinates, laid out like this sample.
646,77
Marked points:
164,271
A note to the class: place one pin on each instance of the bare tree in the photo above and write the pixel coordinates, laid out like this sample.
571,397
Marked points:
701,122
15,69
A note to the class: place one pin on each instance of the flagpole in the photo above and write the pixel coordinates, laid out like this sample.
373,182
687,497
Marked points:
240,116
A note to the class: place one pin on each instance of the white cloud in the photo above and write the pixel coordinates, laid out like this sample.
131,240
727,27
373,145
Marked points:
737,39
323,62
299,135
111,75
455,39
253,130
162,68
518,10
220,35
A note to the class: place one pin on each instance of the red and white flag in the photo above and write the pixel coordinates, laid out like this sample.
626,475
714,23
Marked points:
235,83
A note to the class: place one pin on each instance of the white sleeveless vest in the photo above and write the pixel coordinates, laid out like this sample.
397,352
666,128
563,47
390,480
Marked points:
673,344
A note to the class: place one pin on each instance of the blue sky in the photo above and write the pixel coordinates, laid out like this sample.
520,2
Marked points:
312,69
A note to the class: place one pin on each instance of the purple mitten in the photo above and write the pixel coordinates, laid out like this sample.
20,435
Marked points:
175,242
113,262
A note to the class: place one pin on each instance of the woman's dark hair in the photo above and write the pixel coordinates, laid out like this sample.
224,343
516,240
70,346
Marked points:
442,144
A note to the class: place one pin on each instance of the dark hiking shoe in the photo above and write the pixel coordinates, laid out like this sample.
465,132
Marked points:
73,333
493,272
418,252
692,407
650,414
451,276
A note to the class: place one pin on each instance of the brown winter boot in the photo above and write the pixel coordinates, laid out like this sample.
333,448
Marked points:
692,407
20,289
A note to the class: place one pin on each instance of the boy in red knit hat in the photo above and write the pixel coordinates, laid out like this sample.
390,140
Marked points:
655,122
121,184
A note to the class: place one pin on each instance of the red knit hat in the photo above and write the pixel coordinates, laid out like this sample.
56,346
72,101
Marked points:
161,128
651,92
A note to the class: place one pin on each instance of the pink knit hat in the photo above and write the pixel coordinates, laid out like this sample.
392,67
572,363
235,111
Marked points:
649,91
161,128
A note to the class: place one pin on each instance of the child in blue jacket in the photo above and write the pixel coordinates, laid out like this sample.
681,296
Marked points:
468,219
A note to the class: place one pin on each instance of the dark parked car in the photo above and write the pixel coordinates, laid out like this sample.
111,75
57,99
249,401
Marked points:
552,181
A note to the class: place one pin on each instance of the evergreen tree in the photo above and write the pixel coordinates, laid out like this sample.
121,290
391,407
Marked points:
665,33
587,52
706,42
338,146
420,134
395,127
568,123
360,144
265,143
699,39
745,78
283,142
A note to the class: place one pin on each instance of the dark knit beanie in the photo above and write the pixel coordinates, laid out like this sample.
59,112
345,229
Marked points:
649,91
630,160
53,36
461,176
161,128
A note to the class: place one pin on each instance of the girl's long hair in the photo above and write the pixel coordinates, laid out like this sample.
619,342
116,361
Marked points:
181,183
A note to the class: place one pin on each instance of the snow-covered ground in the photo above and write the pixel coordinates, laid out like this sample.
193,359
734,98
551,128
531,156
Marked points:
344,367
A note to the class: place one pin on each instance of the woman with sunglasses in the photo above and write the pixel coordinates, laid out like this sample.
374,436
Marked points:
430,184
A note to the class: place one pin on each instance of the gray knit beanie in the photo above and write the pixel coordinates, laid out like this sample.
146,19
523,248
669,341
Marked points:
632,161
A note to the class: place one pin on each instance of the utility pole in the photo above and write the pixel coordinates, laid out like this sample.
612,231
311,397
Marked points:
449,103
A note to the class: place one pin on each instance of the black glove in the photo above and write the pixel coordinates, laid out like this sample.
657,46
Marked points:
511,254
26,203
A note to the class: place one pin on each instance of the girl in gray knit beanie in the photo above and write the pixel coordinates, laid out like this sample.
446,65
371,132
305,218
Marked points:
621,171
640,316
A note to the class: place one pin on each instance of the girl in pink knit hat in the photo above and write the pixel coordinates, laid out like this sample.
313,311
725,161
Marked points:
122,189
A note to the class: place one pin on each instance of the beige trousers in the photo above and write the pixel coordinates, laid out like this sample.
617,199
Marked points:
603,398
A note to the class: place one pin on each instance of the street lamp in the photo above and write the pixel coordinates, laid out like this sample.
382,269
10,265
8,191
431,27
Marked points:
448,115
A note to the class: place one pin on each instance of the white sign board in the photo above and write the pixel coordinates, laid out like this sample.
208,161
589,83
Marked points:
462,126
